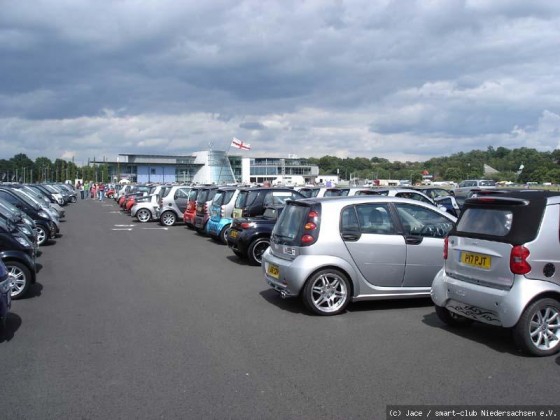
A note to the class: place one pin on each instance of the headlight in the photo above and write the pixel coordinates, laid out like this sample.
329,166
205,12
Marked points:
43,214
23,242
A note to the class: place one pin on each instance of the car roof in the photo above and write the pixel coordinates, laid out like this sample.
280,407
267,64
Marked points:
357,199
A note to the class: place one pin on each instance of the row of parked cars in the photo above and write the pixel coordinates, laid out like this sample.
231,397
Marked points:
30,216
495,263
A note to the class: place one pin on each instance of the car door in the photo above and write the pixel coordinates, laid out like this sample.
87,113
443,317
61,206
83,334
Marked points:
370,236
181,198
424,232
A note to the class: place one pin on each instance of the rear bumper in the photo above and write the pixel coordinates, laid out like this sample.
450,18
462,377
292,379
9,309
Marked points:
485,304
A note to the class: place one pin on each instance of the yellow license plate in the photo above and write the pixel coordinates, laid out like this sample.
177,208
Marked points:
476,260
273,271
233,233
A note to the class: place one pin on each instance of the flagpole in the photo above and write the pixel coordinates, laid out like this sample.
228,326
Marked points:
222,166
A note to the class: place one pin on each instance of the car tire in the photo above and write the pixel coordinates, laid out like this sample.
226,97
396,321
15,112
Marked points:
327,292
143,215
452,319
238,253
168,218
537,332
256,250
42,235
73,199
21,278
224,233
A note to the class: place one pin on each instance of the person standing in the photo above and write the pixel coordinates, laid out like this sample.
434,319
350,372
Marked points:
86,190
101,191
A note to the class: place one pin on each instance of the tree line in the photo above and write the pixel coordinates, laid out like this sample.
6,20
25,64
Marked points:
520,165
21,168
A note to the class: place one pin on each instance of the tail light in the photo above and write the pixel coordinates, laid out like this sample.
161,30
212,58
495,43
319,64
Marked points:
223,211
518,260
205,208
445,247
247,225
310,229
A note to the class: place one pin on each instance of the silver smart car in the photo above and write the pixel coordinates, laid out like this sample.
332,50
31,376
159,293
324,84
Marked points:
330,251
500,268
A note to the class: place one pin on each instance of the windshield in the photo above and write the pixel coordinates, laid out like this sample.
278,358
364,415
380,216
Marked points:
30,201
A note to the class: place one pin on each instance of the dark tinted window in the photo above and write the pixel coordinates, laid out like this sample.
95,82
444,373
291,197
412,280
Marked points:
241,199
375,218
228,196
290,223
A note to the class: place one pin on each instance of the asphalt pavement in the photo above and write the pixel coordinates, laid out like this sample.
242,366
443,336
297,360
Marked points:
131,320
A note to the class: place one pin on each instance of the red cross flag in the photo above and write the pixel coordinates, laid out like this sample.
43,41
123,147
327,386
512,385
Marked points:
238,144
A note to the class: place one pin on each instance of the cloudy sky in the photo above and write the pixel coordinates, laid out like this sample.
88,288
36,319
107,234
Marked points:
403,80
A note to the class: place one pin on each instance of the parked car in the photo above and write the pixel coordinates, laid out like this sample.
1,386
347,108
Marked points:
145,207
442,197
332,251
249,237
172,205
190,209
252,201
221,213
203,203
310,192
45,226
18,219
500,268
18,254
5,293
465,187
47,195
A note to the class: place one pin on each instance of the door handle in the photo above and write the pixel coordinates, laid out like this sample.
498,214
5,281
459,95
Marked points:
414,240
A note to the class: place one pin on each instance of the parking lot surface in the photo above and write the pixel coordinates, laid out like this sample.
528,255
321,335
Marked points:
131,320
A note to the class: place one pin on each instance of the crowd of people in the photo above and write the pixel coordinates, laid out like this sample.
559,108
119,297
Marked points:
93,190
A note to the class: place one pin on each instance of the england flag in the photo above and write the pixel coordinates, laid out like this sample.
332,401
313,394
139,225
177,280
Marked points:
238,144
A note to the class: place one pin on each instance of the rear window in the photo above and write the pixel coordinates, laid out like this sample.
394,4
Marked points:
228,196
306,192
287,228
219,198
193,194
249,198
495,222
241,198
335,193
203,195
